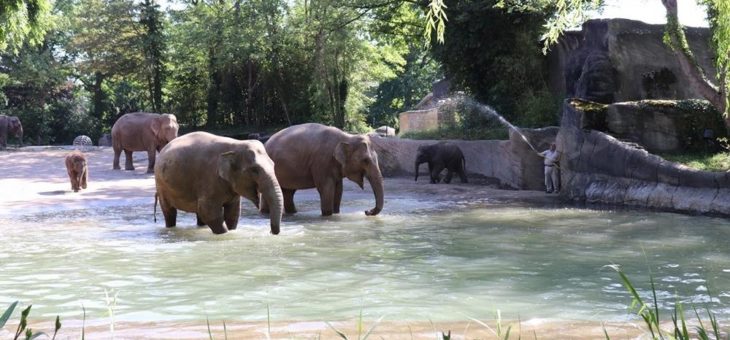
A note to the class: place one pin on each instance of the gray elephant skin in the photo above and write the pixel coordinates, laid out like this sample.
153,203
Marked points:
77,169
207,174
317,156
141,131
442,156
10,126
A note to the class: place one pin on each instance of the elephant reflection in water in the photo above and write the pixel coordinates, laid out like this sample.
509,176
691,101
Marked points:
440,156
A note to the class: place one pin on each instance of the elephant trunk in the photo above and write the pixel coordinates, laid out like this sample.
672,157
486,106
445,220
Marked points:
416,170
376,182
271,192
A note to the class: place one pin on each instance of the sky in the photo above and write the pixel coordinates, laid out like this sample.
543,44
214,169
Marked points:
653,12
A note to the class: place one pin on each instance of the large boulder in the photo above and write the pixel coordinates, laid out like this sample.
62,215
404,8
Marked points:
659,126
616,60
599,168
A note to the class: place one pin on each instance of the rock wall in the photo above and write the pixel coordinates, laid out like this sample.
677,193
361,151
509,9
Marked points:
616,60
598,168
658,125
507,163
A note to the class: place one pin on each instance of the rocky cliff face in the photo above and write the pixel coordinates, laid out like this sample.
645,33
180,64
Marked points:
616,60
598,168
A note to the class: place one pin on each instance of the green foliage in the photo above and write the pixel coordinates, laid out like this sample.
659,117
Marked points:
649,312
23,328
491,53
23,21
705,161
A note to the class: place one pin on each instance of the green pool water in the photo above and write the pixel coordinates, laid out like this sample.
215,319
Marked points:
419,260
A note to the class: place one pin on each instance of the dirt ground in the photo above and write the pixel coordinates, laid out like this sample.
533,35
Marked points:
34,179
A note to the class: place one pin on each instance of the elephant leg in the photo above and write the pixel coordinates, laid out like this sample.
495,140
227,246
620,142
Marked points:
231,213
289,207
151,153
449,174
264,206
327,196
117,153
84,178
212,215
338,196
462,175
169,212
436,173
199,221
128,160
74,182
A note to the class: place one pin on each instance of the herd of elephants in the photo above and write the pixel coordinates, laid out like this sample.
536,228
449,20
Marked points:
207,174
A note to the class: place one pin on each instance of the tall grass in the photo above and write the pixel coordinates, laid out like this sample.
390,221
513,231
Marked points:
649,312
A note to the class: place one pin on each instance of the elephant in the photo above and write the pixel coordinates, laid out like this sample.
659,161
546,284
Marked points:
105,140
207,174
78,170
439,156
317,156
10,126
141,131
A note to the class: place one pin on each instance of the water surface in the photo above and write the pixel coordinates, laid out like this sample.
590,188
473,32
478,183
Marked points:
421,259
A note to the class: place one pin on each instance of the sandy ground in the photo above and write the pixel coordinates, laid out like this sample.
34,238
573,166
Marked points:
33,179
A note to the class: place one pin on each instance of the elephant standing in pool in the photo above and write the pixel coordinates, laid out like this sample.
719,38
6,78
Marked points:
10,126
440,156
207,174
142,131
317,156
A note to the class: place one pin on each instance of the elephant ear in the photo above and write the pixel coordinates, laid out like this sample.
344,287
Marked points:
342,152
228,164
155,125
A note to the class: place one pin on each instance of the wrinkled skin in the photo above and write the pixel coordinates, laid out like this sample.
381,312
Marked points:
442,156
142,131
207,174
77,169
10,126
317,156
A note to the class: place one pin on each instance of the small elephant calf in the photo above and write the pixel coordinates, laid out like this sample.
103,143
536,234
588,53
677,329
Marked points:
439,156
78,170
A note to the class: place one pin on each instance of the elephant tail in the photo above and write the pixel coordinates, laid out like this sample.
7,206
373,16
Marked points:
154,210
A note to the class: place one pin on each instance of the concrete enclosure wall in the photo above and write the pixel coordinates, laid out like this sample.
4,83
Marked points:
508,163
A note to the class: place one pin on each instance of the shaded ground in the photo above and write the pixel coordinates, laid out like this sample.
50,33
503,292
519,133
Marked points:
34,180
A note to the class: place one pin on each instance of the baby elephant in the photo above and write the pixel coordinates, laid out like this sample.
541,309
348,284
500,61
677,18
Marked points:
78,170
439,156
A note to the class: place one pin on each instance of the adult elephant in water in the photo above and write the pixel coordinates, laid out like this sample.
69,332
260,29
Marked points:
317,156
10,126
207,174
141,131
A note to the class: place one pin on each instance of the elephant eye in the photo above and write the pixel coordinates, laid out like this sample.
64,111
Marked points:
254,171
366,160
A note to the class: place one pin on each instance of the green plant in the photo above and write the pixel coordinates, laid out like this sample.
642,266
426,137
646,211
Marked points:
650,314
23,328
359,326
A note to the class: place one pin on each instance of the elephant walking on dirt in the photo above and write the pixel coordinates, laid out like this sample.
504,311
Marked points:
142,131
10,126
77,169
207,174
440,156
317,156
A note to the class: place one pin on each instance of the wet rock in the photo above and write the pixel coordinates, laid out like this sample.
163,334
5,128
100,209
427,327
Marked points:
599,168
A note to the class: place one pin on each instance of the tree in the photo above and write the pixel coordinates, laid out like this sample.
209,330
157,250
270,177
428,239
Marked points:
23,21
674,37
153,45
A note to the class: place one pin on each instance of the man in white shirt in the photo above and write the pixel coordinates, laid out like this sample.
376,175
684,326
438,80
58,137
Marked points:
552,170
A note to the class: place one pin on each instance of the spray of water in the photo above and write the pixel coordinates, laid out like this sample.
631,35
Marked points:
489,112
